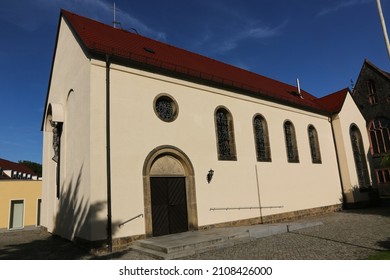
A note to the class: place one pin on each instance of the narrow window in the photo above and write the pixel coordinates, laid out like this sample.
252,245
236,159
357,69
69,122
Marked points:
381,178
374,141
359,157
291,142
260,128
314,145
386,174
225,135
379,136
372,97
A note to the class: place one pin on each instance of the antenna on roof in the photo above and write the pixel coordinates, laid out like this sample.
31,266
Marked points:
115,22
135,30
352,84
299,89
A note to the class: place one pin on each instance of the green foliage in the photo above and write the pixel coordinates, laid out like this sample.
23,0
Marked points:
386,161
385,255
35,167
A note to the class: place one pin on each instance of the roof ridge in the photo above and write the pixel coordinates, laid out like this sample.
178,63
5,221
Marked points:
383,72
334,102
102,39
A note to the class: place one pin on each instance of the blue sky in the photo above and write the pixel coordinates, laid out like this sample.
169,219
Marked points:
321,42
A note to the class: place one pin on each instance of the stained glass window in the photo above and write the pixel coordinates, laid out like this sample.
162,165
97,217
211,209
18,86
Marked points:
260,129
291,142
314,145
359,157
225,136
165,108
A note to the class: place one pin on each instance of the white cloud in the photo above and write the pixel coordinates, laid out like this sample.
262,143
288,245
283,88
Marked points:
342,5
104,9
25,16
229,26
127,22
257,32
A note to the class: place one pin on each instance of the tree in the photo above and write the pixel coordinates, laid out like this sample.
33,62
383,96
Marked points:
385,161
35,167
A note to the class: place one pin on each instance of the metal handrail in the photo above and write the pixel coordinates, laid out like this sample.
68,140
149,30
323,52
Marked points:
129,220
244,208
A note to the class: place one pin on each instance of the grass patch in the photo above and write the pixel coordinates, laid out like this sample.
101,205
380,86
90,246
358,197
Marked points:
385,255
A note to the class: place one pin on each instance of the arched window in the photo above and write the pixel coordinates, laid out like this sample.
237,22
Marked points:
380,136
291,142
260,130
225,135
314,145
359,157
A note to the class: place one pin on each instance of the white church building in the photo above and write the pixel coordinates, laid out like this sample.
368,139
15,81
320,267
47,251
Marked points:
145,139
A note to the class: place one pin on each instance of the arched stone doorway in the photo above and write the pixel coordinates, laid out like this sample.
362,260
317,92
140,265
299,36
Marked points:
169,192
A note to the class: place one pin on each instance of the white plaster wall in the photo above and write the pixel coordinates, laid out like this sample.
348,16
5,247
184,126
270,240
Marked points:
70,86
300,185
349,115
80,86
98,150
136,131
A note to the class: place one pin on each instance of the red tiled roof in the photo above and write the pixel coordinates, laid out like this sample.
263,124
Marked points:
334,102
9,165
101,39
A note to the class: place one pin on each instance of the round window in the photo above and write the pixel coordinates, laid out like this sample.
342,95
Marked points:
165,108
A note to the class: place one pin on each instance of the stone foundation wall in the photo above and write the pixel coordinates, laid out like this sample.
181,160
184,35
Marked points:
288,216
123,242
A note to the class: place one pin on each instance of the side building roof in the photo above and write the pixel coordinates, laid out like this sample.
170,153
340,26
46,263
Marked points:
13,166
334,102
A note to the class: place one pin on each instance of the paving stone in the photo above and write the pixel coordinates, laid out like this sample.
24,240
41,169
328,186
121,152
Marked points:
345,235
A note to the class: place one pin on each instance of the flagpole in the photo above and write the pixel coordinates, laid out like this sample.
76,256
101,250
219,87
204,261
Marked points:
383,26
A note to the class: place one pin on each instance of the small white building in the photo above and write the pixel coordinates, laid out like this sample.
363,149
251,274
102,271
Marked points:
144,139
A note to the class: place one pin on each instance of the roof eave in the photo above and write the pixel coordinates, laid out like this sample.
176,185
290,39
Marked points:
199,80
51,72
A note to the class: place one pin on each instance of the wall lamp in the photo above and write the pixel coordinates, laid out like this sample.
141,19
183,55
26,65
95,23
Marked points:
210,175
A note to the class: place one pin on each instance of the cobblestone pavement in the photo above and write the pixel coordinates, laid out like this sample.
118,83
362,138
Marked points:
346,235
37,245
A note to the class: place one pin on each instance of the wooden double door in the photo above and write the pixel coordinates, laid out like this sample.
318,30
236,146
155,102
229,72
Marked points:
169,205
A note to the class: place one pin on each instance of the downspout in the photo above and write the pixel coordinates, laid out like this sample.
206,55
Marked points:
330,119
258,195
108,150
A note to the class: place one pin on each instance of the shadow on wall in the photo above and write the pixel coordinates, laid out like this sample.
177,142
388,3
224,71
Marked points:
77,218
358,197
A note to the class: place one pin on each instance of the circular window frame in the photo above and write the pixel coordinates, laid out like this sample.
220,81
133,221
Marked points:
174,105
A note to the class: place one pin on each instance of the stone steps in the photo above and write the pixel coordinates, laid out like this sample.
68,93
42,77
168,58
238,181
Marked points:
184,244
